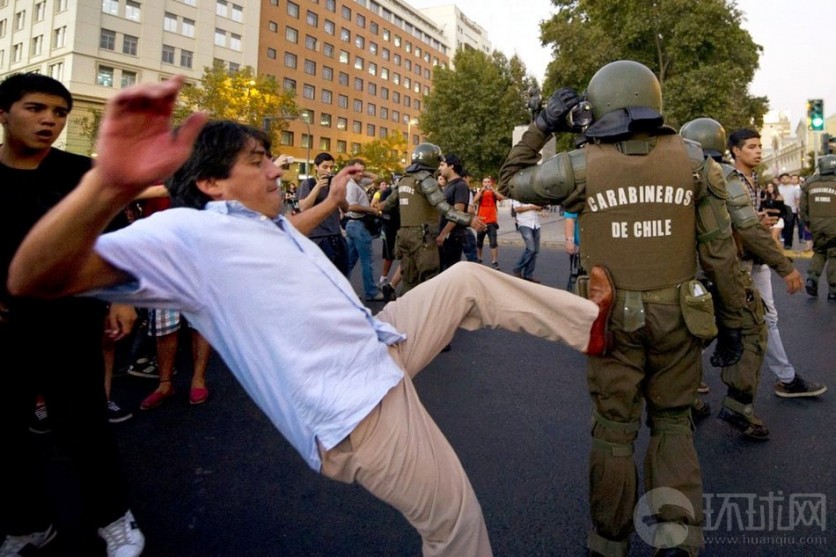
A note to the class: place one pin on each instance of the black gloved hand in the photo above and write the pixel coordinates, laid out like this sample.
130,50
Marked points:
553,116
729,347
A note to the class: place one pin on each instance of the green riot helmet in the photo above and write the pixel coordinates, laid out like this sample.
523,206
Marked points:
626,97
827,164
623,84
707,132
426,155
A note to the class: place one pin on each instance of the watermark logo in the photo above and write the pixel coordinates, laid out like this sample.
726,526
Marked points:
735,518
645,517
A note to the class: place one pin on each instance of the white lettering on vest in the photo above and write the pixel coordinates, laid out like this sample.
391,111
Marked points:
631,195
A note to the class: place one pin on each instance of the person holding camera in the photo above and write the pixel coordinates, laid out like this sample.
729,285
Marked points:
643,196
328,234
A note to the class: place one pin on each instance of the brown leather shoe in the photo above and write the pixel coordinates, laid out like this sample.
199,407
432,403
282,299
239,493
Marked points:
600,291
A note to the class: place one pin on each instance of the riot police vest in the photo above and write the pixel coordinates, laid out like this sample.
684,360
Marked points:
821,197
414,208
639,218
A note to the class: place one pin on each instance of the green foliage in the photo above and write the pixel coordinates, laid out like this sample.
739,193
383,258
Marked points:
472,109
89,127
242,96
383,155
702,56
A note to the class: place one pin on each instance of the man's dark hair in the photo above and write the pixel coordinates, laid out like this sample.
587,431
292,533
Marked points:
455,162
782,174
14,87
215,152
356,161
321,158
738,137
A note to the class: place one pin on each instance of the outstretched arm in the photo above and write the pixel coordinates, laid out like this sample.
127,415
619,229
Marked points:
137,148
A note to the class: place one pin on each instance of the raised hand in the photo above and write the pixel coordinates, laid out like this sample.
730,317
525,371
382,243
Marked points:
137,145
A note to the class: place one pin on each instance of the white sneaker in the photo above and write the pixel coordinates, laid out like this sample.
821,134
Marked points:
123,537
25,545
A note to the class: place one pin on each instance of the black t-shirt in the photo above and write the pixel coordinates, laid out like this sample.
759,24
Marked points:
27,196
456,191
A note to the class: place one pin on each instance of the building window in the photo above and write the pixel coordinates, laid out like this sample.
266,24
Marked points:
128,79
342,123
286,138
358,63
130,45
306,140
325,120
370,130
396,97
383,131
271,53
220,37
331,5
20,20
386,35
312,19
188,27
341,145
59,37
397,40
372,68
234,67
293,10
2,27
384,113
345,35
235,42
308,91
110,7
168,54
358,84
371,109
289,84
384,93
374,28
290,60
396,116
327,73
397,59
327,96
310,67
372,89
56,71
343,79
329,27
343,57
107,39
132,11
373,47
358,105
359,41
356,126
342,101
355,148
221,8
17,52
237,13
346,13
40,11
384,73
310,42
186,58
291,34
104,76
272,26
170,22
360,20
385,54
324,144
328,50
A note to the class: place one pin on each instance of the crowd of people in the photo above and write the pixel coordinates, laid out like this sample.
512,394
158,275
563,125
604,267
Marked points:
657,276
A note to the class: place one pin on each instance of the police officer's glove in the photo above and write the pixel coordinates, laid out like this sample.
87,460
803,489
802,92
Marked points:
553,117
729,347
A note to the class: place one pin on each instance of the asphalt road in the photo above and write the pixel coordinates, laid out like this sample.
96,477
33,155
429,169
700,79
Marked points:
219,480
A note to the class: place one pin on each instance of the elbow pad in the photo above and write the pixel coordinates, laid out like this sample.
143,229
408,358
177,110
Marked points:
548,183
740,208
713,220
429,187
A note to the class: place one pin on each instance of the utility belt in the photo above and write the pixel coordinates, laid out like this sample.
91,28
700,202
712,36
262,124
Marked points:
694,299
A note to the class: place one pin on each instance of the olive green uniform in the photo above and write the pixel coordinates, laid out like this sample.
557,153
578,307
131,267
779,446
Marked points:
756,247
419,201
818,208
647,208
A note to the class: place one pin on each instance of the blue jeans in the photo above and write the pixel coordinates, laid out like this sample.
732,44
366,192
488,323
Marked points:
469,246
527,261
360,247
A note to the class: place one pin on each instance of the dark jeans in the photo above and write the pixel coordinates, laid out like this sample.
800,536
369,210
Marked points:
335,248
789,226
451,250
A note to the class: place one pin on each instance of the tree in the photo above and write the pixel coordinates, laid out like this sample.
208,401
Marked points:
473,109
89,127
698,50
382,155
239,95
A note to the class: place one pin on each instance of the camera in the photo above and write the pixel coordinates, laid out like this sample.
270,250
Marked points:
580,116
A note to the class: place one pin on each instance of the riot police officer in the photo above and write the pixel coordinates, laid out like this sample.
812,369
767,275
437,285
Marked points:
420,201
648,204
818,208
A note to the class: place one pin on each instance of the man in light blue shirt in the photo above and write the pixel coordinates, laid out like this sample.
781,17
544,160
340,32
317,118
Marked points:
335,380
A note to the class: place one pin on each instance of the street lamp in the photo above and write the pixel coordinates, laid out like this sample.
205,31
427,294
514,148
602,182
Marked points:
265,125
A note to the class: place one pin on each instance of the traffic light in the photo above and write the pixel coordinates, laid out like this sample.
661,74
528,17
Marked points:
815,114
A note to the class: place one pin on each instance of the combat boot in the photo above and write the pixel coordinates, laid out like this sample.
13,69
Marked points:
812,287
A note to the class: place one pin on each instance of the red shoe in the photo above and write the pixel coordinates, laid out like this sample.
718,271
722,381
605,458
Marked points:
600,291
198,396
155,399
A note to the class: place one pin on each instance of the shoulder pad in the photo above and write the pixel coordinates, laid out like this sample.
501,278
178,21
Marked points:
713,175
695,154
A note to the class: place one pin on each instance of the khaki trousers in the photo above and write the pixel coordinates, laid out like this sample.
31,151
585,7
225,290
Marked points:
397,452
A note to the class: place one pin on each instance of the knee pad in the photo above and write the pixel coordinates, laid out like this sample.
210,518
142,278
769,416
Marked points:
671,422
615,438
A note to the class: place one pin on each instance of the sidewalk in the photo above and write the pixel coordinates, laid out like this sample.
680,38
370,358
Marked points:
551,227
